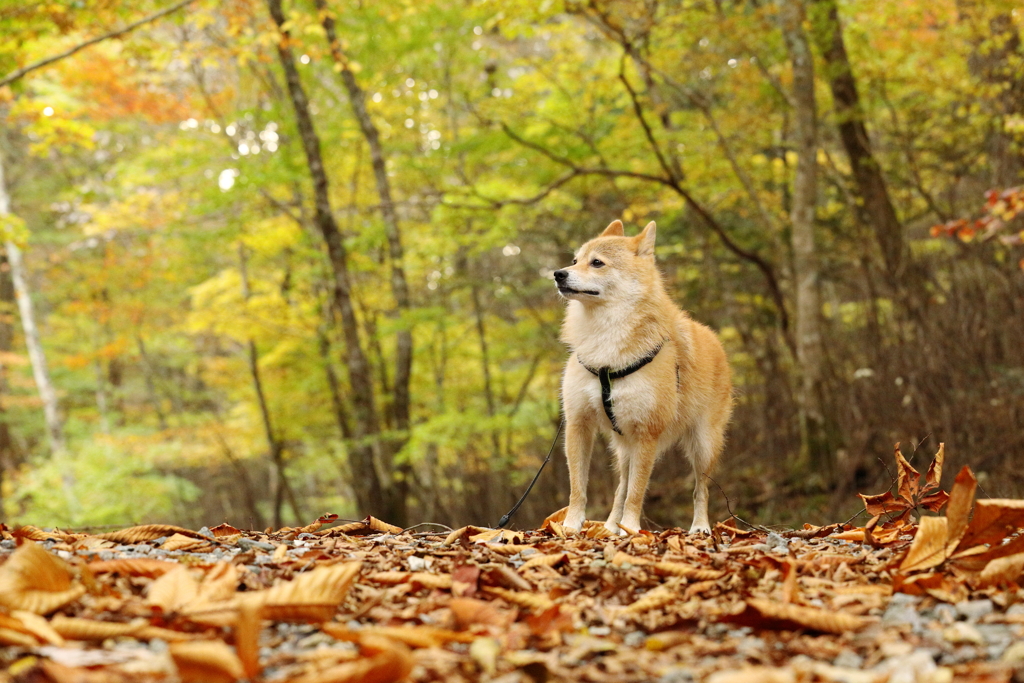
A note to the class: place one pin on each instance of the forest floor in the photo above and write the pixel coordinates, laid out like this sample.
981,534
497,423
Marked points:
366,601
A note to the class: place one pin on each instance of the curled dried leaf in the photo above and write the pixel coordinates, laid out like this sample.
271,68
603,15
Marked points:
389,666
777,615
658,597
313,596
35,581
552,560
73,628
425,579
532,601
206,661
929,547
142,566
146,532
686,571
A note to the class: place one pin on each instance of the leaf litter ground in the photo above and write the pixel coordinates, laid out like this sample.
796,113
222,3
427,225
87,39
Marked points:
895,600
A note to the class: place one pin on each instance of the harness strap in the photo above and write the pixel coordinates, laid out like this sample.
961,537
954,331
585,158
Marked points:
606,375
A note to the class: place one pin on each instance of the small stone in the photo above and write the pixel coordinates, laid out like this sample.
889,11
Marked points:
903,599
205,531
962,633
63,554
1014,609
973,610
916,666
249,544
750,647
634,639
898,614
848,660
8,544
601,631
679,675
945,613
1014,655
774,541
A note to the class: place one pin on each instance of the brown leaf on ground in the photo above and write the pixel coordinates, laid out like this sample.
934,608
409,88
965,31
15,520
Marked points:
313,596
146,532
425,579
225,529
384,667
142,566
73,628
929,547
556,516
174,590
247,637
469,611
35,581
994,519
206,661
910,493
1002,571
961,502
525,599
776,615
328,518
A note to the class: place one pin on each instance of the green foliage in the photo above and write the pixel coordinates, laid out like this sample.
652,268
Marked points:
147,168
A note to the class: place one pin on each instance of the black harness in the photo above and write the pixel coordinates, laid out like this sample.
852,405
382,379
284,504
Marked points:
606,375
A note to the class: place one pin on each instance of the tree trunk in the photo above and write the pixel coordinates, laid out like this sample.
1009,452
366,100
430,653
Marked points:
815,447
275,446
875,208
399,287
54,425
7,461
369,489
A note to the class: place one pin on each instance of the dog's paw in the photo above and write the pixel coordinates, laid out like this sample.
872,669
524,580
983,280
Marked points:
573,524
702,529
615,529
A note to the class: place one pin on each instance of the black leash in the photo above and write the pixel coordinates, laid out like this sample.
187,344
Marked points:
515,508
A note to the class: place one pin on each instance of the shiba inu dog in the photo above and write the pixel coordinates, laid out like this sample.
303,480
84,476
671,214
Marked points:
641,371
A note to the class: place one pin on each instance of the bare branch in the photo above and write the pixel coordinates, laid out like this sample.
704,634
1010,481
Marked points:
15,75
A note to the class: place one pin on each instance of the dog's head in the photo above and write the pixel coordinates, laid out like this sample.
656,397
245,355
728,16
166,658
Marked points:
610,267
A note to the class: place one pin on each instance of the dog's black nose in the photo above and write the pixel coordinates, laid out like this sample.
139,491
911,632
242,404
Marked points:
560,275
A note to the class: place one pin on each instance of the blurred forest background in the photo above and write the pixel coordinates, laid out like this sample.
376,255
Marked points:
265,259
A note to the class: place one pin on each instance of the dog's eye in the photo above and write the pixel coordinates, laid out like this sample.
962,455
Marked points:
597,263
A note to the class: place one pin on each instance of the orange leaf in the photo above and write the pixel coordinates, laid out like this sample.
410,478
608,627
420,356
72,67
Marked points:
35,581
313,596
142,566
906,477
777,615
961,500
934,475
994,519
929,547
147,532
206,661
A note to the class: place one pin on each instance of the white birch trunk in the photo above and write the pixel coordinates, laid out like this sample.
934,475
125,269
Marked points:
54,426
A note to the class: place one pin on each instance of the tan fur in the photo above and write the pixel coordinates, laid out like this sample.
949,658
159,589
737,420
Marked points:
626,316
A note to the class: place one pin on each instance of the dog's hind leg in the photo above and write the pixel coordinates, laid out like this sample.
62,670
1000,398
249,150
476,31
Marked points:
703,447
639,458
615,516
579,444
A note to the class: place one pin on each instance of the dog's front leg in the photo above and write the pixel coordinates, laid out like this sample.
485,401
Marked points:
579,444
619,504
639,459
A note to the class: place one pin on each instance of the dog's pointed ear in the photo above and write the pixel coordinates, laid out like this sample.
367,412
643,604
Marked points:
645,240
614,229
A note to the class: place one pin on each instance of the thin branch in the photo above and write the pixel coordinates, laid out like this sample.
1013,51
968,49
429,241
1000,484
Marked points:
15,75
